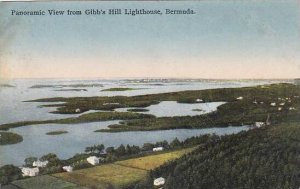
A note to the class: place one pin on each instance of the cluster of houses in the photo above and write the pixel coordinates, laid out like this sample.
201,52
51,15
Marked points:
283,102
34,170
31,172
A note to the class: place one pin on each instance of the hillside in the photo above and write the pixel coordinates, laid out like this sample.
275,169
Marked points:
261,158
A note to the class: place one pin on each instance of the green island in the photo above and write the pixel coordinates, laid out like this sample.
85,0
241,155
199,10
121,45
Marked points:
58,132
138,110
197,110
256,105
10,138
6,86
91,117
66,85
121,89
75,90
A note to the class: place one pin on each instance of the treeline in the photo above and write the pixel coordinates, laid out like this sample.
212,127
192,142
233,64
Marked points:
261,158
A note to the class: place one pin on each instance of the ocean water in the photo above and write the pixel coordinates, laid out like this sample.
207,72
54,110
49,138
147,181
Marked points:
13,108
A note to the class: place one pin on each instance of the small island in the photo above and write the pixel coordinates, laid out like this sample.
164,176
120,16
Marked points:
6,86
138,110
10,138
120,89
197,110
72,90
58,132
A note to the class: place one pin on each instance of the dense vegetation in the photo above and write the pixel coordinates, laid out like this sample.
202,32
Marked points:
260,158
10,138
9,173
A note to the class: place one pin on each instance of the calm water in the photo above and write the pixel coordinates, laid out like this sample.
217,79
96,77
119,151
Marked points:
172,108
36,143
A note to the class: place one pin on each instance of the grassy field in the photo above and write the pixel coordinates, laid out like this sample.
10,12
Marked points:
120,173
101,177
45,182
153,161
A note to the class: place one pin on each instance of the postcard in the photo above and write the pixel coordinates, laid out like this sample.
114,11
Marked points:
150,94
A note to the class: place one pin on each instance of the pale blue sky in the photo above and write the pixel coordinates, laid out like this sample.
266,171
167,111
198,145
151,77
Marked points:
224,39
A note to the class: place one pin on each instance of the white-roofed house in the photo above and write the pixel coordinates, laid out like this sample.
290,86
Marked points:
199,100
240,98
93,160
67,168
157,149
31,172
259,124
159,181
40,163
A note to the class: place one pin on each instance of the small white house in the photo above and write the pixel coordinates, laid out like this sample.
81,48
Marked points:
31,172
40,163
292,108
199,100
282,104
240,98
273,104
67,168
93,160
259,124
279,108
78,110
159,181
157,149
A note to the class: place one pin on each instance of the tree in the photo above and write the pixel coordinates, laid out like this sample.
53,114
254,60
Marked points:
88,149
110,150
147,147
121,150
9,173
100,148
48,157
29,161
175,143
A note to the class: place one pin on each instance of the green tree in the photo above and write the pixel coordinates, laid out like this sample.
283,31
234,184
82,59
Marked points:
9,173
29,161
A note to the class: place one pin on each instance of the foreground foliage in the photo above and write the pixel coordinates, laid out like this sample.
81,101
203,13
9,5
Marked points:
260,158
